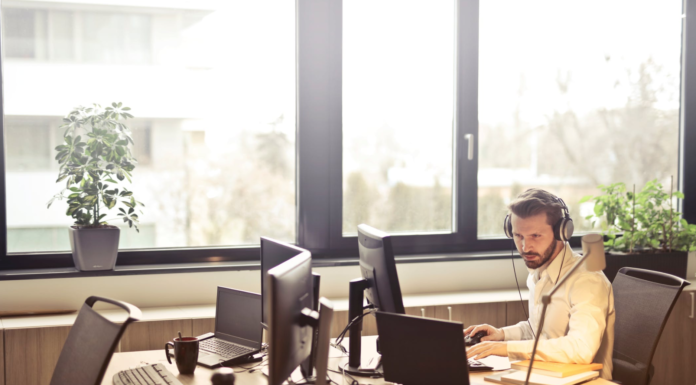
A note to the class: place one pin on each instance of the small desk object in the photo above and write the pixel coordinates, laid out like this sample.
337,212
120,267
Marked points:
123,361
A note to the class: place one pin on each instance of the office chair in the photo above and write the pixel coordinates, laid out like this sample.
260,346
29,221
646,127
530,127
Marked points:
643,300
90,344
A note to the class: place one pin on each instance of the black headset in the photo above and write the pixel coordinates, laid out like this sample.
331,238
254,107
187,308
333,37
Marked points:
562,230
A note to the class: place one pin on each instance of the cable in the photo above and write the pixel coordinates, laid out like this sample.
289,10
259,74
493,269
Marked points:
512,258
353,382
339,339
562,260
253,367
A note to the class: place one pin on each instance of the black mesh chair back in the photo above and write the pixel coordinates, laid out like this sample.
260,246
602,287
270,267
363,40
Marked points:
643,300
90,344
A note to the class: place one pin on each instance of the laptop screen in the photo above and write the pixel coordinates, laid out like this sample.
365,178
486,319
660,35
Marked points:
238,317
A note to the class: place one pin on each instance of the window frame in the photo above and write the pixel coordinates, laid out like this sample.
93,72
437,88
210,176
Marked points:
318,175
464,191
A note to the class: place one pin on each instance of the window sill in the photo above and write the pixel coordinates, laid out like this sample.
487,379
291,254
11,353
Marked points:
71,272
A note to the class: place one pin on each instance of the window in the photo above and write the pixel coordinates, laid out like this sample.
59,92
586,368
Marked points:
398,100
301,120
573,95
214,127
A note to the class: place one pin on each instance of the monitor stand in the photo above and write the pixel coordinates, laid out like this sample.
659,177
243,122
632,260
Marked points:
356,298
309,318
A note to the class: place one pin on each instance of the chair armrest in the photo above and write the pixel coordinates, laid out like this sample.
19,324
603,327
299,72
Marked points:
134,314
667,278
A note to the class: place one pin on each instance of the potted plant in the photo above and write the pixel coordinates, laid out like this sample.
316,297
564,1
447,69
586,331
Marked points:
95,159
643,229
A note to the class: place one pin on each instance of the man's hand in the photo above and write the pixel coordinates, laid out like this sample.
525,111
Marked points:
485,349
493,334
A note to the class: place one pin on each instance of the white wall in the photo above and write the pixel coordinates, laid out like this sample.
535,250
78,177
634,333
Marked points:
200,288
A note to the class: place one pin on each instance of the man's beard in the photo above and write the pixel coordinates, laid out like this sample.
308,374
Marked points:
548,253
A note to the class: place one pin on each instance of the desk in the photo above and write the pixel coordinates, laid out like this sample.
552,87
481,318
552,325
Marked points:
122,361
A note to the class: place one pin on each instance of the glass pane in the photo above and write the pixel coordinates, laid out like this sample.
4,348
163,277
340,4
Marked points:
61,35
573,94
116,38
398,97
23,32
214,128
30,148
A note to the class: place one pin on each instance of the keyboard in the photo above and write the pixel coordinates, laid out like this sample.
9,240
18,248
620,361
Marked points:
478,366
155,374
224,348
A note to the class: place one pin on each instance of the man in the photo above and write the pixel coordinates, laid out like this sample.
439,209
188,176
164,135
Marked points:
579,324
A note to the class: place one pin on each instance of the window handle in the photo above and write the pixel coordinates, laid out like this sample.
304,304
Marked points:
692,305
423,312
470,145
449,310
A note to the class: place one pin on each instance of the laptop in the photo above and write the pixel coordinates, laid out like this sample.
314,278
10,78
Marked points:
238,330
421,351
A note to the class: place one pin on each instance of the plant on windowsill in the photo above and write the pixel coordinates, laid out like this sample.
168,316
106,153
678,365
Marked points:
643,229
95,159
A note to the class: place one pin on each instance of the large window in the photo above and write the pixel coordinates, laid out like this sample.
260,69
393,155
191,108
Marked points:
299,120
573,95
214,108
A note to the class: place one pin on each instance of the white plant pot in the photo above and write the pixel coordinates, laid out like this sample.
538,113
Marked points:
94,248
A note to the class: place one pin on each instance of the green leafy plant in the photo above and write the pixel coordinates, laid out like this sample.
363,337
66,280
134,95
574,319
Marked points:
641,222
94,159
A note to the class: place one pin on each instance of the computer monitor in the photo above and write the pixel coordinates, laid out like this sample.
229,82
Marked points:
290,318
379,283
273,253
378,268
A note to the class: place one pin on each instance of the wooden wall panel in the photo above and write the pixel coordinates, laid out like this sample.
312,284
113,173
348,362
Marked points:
490,313
152,335
673,360
202,325
340,320
516,312
474,314
419,311
369,325
32,354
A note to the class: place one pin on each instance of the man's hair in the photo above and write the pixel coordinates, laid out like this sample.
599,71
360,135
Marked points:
536,201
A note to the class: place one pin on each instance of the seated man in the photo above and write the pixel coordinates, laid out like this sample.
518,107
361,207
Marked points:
579,325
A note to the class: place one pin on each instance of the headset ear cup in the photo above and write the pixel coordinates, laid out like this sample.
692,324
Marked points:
557,229
568,229
507,226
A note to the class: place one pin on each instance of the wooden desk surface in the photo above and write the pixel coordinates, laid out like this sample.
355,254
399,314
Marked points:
122,361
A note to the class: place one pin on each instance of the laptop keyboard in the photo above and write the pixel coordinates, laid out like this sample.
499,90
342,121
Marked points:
224,348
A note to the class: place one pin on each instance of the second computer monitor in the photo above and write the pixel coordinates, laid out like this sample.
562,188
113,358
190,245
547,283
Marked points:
290,297
273,253
378,268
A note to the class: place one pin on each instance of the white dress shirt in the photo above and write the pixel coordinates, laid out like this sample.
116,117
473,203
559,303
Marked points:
579,324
